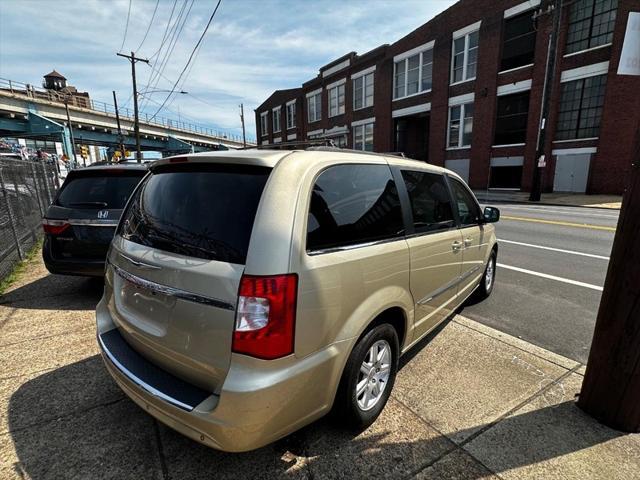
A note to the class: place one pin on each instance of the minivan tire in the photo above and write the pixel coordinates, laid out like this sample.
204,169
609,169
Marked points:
485,288
347,407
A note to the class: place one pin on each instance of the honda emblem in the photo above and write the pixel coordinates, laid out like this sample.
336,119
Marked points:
103,214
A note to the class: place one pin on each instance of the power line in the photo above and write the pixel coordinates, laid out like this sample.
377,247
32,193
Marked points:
149,27
164,36
173,41
126,28
206,28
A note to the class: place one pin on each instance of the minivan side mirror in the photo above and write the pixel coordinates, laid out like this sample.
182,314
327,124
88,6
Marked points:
491,214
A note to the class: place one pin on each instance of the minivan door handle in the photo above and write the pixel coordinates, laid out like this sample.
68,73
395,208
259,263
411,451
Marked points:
468,241
457,245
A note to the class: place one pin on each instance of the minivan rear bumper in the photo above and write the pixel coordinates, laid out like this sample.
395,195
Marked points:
260,401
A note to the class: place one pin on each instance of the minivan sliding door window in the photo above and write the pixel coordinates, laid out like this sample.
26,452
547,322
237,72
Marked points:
353,205
430,201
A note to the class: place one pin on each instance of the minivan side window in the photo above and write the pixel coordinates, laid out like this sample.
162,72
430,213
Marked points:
430,201
353,204
468,209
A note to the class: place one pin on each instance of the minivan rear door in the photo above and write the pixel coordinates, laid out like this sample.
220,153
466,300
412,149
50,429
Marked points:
175,267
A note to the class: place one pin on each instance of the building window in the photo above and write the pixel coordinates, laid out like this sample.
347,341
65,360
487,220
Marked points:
465,57
276,119
581,108
460,125
263,123
511,121
363,91
591,24
291,115
314,107
519,41
340,141
413,74
336,100
363,137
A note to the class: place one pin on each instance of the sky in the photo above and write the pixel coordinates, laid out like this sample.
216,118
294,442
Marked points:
251,48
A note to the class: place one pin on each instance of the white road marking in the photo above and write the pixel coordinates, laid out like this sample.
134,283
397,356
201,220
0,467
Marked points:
551,277
561,250
563,212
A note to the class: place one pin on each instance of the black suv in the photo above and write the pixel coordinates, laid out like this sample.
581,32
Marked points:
81,221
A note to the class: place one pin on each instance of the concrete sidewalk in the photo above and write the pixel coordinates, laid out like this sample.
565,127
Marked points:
469,403
613,202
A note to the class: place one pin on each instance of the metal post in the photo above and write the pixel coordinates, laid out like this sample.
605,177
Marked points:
73,142
10,213
244,138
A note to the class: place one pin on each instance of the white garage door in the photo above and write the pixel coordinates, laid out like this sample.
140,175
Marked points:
461,167
572,172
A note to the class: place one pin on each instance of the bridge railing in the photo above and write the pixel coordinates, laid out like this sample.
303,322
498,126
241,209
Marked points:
31,91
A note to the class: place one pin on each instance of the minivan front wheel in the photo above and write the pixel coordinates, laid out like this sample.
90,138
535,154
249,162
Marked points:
488,279
368,377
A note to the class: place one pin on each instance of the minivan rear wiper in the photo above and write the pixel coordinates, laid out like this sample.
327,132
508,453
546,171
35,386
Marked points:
88,204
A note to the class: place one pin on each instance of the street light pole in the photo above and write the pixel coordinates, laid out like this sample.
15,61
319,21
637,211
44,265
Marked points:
136,121
554,7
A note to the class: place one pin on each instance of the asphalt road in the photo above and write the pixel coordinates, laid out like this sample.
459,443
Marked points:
552,263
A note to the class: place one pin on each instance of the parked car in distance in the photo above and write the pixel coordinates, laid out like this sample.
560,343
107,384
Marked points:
82,219
248,293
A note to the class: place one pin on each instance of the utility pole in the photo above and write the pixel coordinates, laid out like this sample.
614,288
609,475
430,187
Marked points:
115,104
244,138
554,8
73,142
136,121
611,387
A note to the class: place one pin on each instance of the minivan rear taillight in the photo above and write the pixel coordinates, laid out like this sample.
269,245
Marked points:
54,227
266,316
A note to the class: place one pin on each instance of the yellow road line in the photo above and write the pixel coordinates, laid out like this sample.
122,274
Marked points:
555,222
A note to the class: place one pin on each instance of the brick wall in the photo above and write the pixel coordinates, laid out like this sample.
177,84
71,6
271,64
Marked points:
619,120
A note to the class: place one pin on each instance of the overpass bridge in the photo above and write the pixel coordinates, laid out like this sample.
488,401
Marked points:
29,112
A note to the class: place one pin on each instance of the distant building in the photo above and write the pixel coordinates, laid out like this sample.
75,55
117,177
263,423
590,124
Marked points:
56,82
464,91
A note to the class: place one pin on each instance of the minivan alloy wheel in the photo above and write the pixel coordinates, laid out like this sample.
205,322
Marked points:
374,375
488,278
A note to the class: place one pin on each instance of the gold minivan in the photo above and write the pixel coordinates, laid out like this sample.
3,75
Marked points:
249,293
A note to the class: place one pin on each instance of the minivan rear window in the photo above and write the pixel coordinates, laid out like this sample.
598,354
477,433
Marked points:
198,210
109,190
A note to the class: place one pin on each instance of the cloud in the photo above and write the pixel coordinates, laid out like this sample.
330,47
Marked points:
252,48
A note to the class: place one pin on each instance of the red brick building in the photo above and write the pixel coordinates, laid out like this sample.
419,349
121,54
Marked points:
465,89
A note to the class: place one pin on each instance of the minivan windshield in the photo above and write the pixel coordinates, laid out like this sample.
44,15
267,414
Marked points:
198,210
102,189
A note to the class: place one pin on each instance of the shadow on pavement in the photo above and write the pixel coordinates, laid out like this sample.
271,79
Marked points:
56,292
74,422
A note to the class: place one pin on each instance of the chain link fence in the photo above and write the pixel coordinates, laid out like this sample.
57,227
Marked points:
26,190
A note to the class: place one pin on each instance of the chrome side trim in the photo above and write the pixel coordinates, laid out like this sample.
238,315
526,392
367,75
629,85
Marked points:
345,248
170,291
453,283
145,386
139,264
93,223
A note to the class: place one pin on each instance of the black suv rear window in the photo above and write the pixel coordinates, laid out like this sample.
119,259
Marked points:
109,190
198,210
